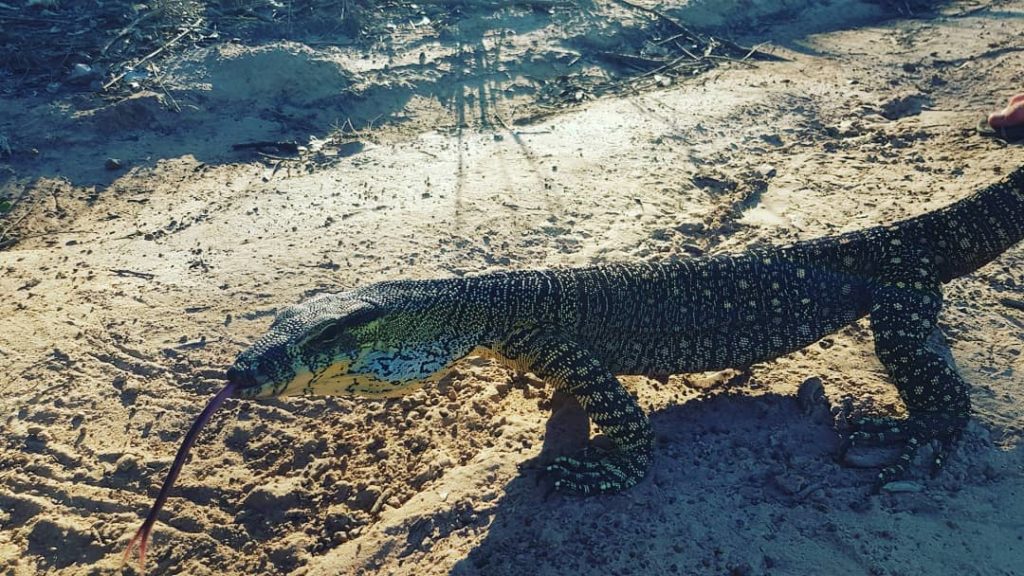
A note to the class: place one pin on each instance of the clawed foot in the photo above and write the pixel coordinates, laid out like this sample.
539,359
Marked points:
596,471
911,433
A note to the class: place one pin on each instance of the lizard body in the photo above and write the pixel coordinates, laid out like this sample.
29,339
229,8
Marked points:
579,328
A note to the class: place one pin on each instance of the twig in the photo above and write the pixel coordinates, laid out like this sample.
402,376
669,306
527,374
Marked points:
669,39
662,16
127,30
502,121
123,272
546,4
191,28
695,36
637,62
32,19
278,158
277,167
971,11
674,63
200,343
54,233
687,52
753,49
1012,303
292,147
171,98
728,59
15,223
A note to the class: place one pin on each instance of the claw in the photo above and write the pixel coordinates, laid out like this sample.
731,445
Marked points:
881,432
595,471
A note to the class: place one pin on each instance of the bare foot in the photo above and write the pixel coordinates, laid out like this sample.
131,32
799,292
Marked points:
1012,115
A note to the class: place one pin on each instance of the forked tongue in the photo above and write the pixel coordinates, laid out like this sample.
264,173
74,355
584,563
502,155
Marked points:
142,534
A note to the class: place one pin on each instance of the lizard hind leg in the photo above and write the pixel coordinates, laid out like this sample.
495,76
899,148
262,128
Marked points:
905,307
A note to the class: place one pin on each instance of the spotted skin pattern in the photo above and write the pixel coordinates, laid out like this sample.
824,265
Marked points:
579,328
573,369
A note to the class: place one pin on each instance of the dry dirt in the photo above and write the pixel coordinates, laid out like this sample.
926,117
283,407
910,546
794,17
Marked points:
483,141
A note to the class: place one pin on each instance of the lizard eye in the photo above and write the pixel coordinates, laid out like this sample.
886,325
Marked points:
337,330
327,334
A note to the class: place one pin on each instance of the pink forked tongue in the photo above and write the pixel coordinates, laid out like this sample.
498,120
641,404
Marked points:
142,534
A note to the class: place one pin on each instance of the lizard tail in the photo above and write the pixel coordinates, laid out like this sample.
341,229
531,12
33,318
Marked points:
974,231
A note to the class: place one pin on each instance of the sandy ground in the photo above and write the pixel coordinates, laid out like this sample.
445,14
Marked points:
126,293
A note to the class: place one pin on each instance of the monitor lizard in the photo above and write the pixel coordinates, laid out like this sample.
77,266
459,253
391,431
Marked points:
579,328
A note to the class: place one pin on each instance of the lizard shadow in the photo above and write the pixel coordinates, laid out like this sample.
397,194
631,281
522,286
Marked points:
738,482
716,458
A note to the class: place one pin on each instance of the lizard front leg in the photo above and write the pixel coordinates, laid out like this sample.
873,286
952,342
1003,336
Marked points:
573,369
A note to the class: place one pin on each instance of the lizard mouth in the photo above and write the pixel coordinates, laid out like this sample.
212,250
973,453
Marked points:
249,384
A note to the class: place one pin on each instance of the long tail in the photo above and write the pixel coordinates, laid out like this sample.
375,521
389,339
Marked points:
974,231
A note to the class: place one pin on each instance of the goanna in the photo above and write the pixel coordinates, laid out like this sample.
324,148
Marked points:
577,328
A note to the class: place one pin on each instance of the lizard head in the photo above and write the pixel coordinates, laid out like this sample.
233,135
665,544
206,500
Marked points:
339,344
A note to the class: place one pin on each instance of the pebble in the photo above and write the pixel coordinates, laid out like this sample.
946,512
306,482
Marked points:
82,74
366,498
126,463
903,486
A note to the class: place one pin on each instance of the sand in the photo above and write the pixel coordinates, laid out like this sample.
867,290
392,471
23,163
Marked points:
128,292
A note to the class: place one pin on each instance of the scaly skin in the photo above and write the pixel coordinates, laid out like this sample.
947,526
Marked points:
579,328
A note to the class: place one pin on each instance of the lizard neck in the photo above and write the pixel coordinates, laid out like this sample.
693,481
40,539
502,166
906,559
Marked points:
479,309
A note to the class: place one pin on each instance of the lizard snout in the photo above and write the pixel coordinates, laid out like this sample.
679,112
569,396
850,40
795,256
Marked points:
242,377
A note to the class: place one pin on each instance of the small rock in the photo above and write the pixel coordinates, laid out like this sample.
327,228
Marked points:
127,464
113,164
350,148
82,74
338,519
273,498
811,396
904,105
766,171
870,457
366,498
790,483
903,486
743,569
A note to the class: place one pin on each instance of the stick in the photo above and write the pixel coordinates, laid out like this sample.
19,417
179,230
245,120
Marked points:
32,19
14,224
278,158
1012,303
292,147
502,121
145,58
126,30
661,15
123,272
55,233
685,30
173,101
